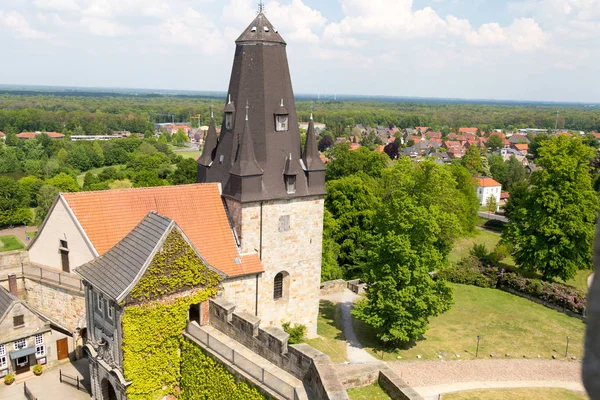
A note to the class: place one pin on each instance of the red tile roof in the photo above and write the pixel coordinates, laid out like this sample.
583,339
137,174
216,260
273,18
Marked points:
487,182
415,139
379,148
521,146
2,134
354,146
107,216
30,135
467,130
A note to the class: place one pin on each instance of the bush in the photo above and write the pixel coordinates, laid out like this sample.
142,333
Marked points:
297,333
470,271
479,250
37,369
556,294
9,379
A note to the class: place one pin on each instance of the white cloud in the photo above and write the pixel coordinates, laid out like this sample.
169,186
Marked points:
457,26
19,26
112,8
58,5
104,27
196,31
296,20
524,34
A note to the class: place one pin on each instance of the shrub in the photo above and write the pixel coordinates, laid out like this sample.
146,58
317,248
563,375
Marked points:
479,250
553,293
470,271
9,379
37,369
297,333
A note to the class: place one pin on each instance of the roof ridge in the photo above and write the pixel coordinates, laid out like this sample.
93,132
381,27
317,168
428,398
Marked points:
141,188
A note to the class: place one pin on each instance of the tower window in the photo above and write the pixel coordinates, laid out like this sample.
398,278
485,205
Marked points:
281,123
290,184
228,120
278,286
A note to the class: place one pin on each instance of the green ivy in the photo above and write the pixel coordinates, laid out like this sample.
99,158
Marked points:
203,378
174,268
152,328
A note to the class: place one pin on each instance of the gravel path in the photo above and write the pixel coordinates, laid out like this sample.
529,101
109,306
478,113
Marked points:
431,373
590,280
355,352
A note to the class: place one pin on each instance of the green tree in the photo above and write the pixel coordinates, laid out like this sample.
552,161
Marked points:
11,139
498,168
11,194
330,268
79,158
472,160
64,183
62,157
491,204
345,162
97,155
30,186
180,138
148,179
90,179
45,199
494,143
552,223
186,172
515,172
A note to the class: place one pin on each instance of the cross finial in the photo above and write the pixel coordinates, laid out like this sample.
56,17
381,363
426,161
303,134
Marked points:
261,7
247,107
212,114
311,111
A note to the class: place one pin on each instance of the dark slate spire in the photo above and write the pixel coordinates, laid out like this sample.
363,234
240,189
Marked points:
245,163
311,159
210,143
260,30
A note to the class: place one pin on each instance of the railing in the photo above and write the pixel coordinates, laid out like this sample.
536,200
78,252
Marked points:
74,381
57,277
27,392
249,367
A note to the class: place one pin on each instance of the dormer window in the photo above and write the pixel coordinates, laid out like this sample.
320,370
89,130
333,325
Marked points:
290,184
229,120
281,123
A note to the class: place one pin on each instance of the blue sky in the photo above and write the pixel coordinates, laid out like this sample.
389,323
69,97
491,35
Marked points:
482,49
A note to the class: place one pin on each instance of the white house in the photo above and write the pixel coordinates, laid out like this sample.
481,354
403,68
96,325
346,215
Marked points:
486,188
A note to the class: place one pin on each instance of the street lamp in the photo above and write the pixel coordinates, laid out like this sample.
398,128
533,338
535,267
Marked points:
477,351
567,349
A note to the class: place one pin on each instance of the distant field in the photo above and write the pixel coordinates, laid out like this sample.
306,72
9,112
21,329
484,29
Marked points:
10,242
516,394
507,324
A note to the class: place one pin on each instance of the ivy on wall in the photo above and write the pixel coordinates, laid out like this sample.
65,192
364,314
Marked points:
152,328
204,378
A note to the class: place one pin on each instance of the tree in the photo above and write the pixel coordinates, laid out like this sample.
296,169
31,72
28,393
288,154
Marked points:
494,143
11,194
535,142
552,222
491,204
148,179
79,158
498,168
97,155
330,268
180,138
186,172
392,150
11,139
345,162
325,143
30,186
64,183
45,199
62,157
515,172
485,166
472,160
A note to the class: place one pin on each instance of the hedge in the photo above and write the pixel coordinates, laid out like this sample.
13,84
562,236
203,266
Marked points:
471,271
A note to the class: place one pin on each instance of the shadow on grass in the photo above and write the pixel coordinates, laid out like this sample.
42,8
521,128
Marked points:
331,313
367,336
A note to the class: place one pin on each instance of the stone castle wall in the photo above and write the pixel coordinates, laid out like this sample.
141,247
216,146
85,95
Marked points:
241,291
288,235
13,258
65,306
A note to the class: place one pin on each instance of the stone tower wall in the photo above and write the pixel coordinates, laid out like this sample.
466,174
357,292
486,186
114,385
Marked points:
295,251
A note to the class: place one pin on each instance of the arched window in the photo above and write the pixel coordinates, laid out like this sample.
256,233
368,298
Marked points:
278,286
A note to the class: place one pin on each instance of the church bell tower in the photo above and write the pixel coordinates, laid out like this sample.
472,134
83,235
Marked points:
274,189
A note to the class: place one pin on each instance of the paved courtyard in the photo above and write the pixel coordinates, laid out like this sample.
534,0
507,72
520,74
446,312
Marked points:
48,387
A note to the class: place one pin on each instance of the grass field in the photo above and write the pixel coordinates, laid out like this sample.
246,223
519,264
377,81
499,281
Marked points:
10,242
516,394
188,154
329,327
507,324
371,392
96,171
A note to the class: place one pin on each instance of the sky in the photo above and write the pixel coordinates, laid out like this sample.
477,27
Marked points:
540,50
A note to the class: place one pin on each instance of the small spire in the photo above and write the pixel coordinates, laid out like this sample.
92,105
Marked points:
281,102
212,114
311,111
247,107
229,98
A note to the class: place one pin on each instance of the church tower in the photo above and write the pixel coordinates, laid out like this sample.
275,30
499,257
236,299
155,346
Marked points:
274,190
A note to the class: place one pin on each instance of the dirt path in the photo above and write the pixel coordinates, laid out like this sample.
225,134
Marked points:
19,232
356,354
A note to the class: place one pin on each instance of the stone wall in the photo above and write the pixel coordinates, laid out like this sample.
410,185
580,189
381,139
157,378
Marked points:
241,291
544,303
300,360
65,306
335,286
13,258
396,387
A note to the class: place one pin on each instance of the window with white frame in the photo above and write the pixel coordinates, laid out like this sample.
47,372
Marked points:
39,339
109,310
99,301
40,348
2,357
20,344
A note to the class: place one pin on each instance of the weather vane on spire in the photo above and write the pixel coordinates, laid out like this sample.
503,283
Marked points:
261,7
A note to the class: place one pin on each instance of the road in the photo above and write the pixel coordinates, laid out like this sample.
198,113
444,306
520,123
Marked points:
487,215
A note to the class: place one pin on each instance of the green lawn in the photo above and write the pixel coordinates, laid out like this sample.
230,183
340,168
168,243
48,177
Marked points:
10,242
508,324
516,394
329,327
97,171
188,154
580,280
371,392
